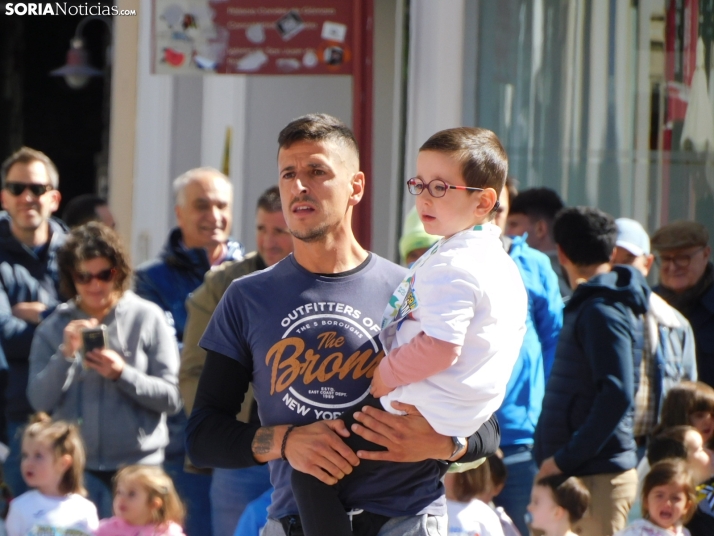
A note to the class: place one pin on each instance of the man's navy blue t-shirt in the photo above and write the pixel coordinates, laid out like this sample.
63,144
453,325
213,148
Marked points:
311,342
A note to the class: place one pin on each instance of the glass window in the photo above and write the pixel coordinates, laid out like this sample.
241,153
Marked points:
591,98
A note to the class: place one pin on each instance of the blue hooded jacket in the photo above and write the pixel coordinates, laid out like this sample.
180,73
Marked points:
177,272
518,415
24,277
586,422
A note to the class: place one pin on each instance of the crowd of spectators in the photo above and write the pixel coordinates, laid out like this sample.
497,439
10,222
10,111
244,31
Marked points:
614,376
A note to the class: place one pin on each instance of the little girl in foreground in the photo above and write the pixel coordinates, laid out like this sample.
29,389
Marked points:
668,501
145,504
52,464
557,503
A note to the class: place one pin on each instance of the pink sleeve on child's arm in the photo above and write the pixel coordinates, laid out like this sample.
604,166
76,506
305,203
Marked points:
420,358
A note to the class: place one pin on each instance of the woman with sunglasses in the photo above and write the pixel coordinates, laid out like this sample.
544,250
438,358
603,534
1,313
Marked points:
119,394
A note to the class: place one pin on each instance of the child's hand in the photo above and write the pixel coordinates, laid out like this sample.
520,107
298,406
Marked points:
378,388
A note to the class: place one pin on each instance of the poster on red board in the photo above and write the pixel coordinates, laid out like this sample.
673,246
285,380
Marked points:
252,36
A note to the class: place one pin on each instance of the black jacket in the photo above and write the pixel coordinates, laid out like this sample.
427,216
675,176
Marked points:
25,276
169,279
588,408
701,316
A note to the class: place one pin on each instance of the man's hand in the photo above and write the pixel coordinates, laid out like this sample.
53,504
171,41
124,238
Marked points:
547,468
29,311
318,450
106,362
408,438
378,388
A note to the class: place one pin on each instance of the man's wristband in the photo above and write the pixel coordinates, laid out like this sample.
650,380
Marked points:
459,444
285,442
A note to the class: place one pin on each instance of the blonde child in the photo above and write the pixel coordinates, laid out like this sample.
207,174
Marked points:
668,501
53,464
557,503
467,497
145,504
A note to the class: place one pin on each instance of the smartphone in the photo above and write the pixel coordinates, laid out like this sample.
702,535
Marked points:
93,339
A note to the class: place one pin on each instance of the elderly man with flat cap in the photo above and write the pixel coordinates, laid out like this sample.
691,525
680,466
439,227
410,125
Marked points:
686,281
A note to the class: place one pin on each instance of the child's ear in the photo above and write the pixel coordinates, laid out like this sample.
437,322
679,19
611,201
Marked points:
157,503
560,513
487,200
498,489
65,462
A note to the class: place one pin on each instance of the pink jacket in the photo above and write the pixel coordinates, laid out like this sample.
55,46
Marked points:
115,526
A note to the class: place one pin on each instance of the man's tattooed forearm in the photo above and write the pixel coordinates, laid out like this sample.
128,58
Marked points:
263,440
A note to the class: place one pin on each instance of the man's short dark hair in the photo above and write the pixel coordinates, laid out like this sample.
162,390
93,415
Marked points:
585,235
483,160
537,204
569,493
269,201
317,128
82,209
26,155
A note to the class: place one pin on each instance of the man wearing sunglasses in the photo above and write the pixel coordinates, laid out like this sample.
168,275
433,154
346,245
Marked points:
686,282
29,279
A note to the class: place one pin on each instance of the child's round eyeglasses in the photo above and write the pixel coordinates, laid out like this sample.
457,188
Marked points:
437,187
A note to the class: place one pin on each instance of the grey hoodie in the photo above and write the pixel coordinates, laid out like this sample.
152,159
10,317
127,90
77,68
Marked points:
122,421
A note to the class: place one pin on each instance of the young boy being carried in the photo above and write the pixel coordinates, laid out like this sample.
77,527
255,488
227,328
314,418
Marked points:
453,328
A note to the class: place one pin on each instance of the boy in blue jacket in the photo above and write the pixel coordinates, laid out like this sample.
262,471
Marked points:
585,428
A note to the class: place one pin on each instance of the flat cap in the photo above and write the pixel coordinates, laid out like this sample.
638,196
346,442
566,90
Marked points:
680,234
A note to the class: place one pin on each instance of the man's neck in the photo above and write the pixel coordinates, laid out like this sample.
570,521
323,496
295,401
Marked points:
213,252
582,274
32,237
546,245
332,255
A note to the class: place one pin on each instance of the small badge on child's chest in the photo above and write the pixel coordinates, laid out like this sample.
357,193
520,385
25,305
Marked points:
408,306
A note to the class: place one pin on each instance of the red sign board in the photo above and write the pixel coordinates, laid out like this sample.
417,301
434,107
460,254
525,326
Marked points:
253,36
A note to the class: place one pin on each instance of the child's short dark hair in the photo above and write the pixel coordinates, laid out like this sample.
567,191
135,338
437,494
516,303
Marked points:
484,162
585,235
669,444
666,472
569,493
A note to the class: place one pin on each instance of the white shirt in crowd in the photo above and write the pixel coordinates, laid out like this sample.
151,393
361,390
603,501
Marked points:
643,527
33,513
474,518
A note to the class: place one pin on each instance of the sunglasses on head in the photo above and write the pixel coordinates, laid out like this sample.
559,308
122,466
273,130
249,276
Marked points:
84,278
17,188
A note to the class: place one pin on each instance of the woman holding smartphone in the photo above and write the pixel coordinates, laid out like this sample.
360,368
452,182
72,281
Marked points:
120,391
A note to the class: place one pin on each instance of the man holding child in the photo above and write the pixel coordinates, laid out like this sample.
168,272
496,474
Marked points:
313,354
